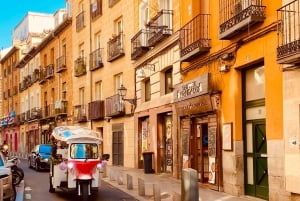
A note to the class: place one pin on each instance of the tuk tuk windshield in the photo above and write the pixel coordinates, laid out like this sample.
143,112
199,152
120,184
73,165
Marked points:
84,151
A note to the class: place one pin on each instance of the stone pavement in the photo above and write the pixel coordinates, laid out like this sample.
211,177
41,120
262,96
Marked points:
158,187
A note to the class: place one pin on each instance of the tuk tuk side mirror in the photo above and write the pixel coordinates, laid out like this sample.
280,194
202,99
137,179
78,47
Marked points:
105,157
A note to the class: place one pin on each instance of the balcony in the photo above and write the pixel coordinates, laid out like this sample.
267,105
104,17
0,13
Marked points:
237,16
96,9
114,106
96,110
61,64
80,67
61,107
48,111
194,38
49,71
27,80
288,50
80,114
96,60
139,44
115,47
35,75
35,113
80,21
23,117
160,27
42,75
22,86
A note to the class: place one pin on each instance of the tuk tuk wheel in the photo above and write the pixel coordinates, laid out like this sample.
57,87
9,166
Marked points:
84,190
51,189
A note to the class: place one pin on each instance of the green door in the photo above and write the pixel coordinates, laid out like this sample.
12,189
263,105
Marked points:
257,165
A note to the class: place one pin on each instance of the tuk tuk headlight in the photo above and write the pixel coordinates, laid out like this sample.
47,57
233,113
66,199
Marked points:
99,166
70,166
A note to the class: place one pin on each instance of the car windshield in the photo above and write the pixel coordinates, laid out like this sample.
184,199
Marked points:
45,149
84,151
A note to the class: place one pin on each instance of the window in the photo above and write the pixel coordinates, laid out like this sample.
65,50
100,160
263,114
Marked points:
64,90
84,150
81,50
97,41
147,90
118,82
52,56
81,96
98,90
168,81
118,26
143,13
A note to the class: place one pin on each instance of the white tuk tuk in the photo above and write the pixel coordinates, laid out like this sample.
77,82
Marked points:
75,162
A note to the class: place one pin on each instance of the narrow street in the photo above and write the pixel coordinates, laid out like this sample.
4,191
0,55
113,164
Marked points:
37,188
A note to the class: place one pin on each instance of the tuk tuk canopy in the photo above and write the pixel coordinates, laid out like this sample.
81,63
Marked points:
73,133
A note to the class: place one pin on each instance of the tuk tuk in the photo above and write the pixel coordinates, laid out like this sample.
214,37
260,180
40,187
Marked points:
75,161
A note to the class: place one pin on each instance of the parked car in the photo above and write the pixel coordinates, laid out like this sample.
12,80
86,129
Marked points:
9,192
39,157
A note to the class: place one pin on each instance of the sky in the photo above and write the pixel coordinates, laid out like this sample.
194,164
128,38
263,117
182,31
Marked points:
13,11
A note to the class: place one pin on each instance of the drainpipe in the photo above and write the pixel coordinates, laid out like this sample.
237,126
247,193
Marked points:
91,78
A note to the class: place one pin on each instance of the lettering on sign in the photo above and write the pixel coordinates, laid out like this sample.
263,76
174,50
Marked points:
193,88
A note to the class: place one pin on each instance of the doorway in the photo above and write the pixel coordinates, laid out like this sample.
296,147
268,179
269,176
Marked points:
199,150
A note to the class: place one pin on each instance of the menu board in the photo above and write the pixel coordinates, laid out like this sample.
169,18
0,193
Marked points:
212,133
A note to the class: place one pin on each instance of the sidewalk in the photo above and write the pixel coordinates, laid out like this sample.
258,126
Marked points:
145,187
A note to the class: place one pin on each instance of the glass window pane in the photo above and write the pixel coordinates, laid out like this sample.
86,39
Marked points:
255,83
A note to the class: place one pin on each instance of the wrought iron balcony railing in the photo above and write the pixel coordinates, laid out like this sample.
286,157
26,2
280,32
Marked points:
80,21
114,106
115,47
194,37
139,44
80,66
61,107
49,71
80,113
160,27
288,50
43,74
239,15
61,64
96,110
96,59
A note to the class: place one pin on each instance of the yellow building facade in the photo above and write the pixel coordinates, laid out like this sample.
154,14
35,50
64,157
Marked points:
229,104
101,56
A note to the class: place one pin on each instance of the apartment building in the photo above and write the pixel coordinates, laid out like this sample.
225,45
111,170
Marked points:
10,98
288,56
156,59
228,106
101,53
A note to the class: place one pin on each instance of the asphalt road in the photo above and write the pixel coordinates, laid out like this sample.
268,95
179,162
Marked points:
37,189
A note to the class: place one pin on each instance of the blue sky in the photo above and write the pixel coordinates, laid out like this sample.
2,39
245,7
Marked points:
13,12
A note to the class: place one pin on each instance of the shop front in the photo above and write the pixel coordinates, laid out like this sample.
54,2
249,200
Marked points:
197,110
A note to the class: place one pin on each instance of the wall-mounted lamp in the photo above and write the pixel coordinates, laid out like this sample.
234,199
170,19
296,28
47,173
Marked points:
122,92
224,68
140,73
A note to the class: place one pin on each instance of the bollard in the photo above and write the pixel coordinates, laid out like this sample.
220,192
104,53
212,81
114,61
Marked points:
141,187
156,192
189,185
120,178
129,182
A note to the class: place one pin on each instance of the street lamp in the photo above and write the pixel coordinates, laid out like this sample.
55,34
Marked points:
122,92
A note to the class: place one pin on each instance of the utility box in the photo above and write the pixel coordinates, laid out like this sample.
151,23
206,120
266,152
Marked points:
189,185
